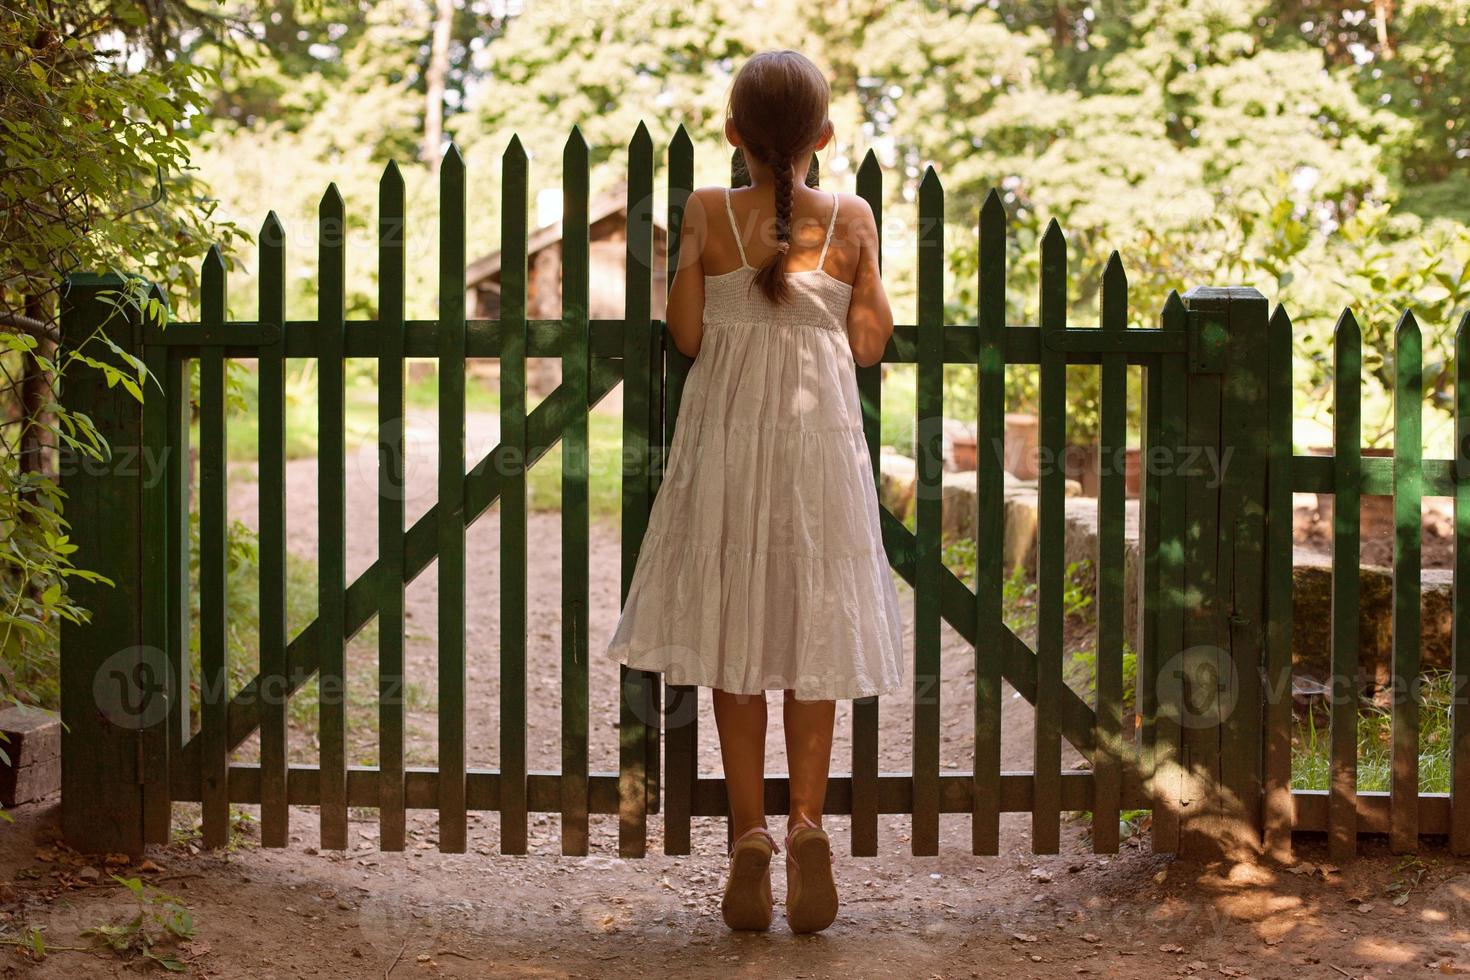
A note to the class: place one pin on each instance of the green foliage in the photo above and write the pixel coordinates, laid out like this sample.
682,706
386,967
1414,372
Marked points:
37,562
1018,592
1082,667
243,827
1018,599
97,156
242,591
1314,151
1311,750
154,930
1240,141
95,176
901,407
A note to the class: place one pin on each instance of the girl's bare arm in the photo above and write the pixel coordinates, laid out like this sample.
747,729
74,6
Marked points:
686,298
869,317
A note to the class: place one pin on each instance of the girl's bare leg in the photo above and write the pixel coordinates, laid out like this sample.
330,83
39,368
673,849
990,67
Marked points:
811,892
808,755
741,720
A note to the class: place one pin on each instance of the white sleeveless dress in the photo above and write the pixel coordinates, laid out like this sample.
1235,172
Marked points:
762,567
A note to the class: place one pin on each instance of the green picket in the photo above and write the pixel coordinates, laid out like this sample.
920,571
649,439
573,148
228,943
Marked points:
990,569
452,816
213,551
1408,476
515,458
650,683
392,495
1050,548
1347,475
178,475
1108,755
681,701
638,451
271,453
1150,499
1235,750
1148,504
158,740
574,512
1279,807
331,519
1177,561
1205,641
1460,668
864,827
681,185
1164,749
929,556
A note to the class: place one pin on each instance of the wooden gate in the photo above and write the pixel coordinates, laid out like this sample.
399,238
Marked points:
1210,755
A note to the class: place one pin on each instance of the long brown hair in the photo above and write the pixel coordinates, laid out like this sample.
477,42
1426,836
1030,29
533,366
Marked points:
778,105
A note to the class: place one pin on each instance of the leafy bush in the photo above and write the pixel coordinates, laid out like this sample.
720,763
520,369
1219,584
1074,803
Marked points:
94,123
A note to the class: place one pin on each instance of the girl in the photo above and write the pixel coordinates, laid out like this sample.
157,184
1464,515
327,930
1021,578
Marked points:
762,567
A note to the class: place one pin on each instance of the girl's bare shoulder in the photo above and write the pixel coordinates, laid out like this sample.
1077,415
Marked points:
709,198
855,217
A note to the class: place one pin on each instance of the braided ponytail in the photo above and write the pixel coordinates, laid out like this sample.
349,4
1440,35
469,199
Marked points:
771,278
778,105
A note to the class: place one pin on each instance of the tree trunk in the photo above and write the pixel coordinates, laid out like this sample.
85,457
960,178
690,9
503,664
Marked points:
1061,25
35,393
1382,15
435,82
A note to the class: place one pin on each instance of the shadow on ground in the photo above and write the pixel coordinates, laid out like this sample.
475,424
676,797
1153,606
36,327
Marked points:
300,913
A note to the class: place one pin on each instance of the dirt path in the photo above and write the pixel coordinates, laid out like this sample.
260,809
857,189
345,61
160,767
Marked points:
544,637
296,913
300,913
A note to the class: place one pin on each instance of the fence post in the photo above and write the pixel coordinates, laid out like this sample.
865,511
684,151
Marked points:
112,685
1215,678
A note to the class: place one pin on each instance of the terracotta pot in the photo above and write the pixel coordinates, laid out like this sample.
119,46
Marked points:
964,451
1021,443
1132,468
1132,471
1080,464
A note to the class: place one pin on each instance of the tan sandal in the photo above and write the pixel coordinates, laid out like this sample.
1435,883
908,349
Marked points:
748,902
811,892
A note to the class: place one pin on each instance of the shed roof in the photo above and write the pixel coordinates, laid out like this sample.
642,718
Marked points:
611,202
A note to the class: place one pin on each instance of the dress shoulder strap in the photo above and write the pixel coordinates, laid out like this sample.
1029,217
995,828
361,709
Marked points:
831,224
735,230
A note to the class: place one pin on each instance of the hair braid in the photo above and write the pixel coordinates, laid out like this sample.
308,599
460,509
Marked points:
772,275
778,105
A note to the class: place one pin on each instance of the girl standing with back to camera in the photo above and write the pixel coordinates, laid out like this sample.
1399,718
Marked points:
762,567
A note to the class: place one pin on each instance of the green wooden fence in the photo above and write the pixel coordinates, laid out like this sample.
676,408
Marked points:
1210,755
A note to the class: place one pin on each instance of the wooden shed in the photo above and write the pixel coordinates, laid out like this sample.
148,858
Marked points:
607,218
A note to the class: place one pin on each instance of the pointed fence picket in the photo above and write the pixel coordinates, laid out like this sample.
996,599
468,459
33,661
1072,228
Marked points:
1213,577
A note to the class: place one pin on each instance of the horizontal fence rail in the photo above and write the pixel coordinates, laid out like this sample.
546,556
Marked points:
1209,755
546,338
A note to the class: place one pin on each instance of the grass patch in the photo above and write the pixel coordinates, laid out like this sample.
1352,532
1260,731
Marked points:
1311,749
604,478
605,431
361,401
243,618
900,408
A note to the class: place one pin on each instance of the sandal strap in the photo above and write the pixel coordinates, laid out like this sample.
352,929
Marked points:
803,823
756,832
